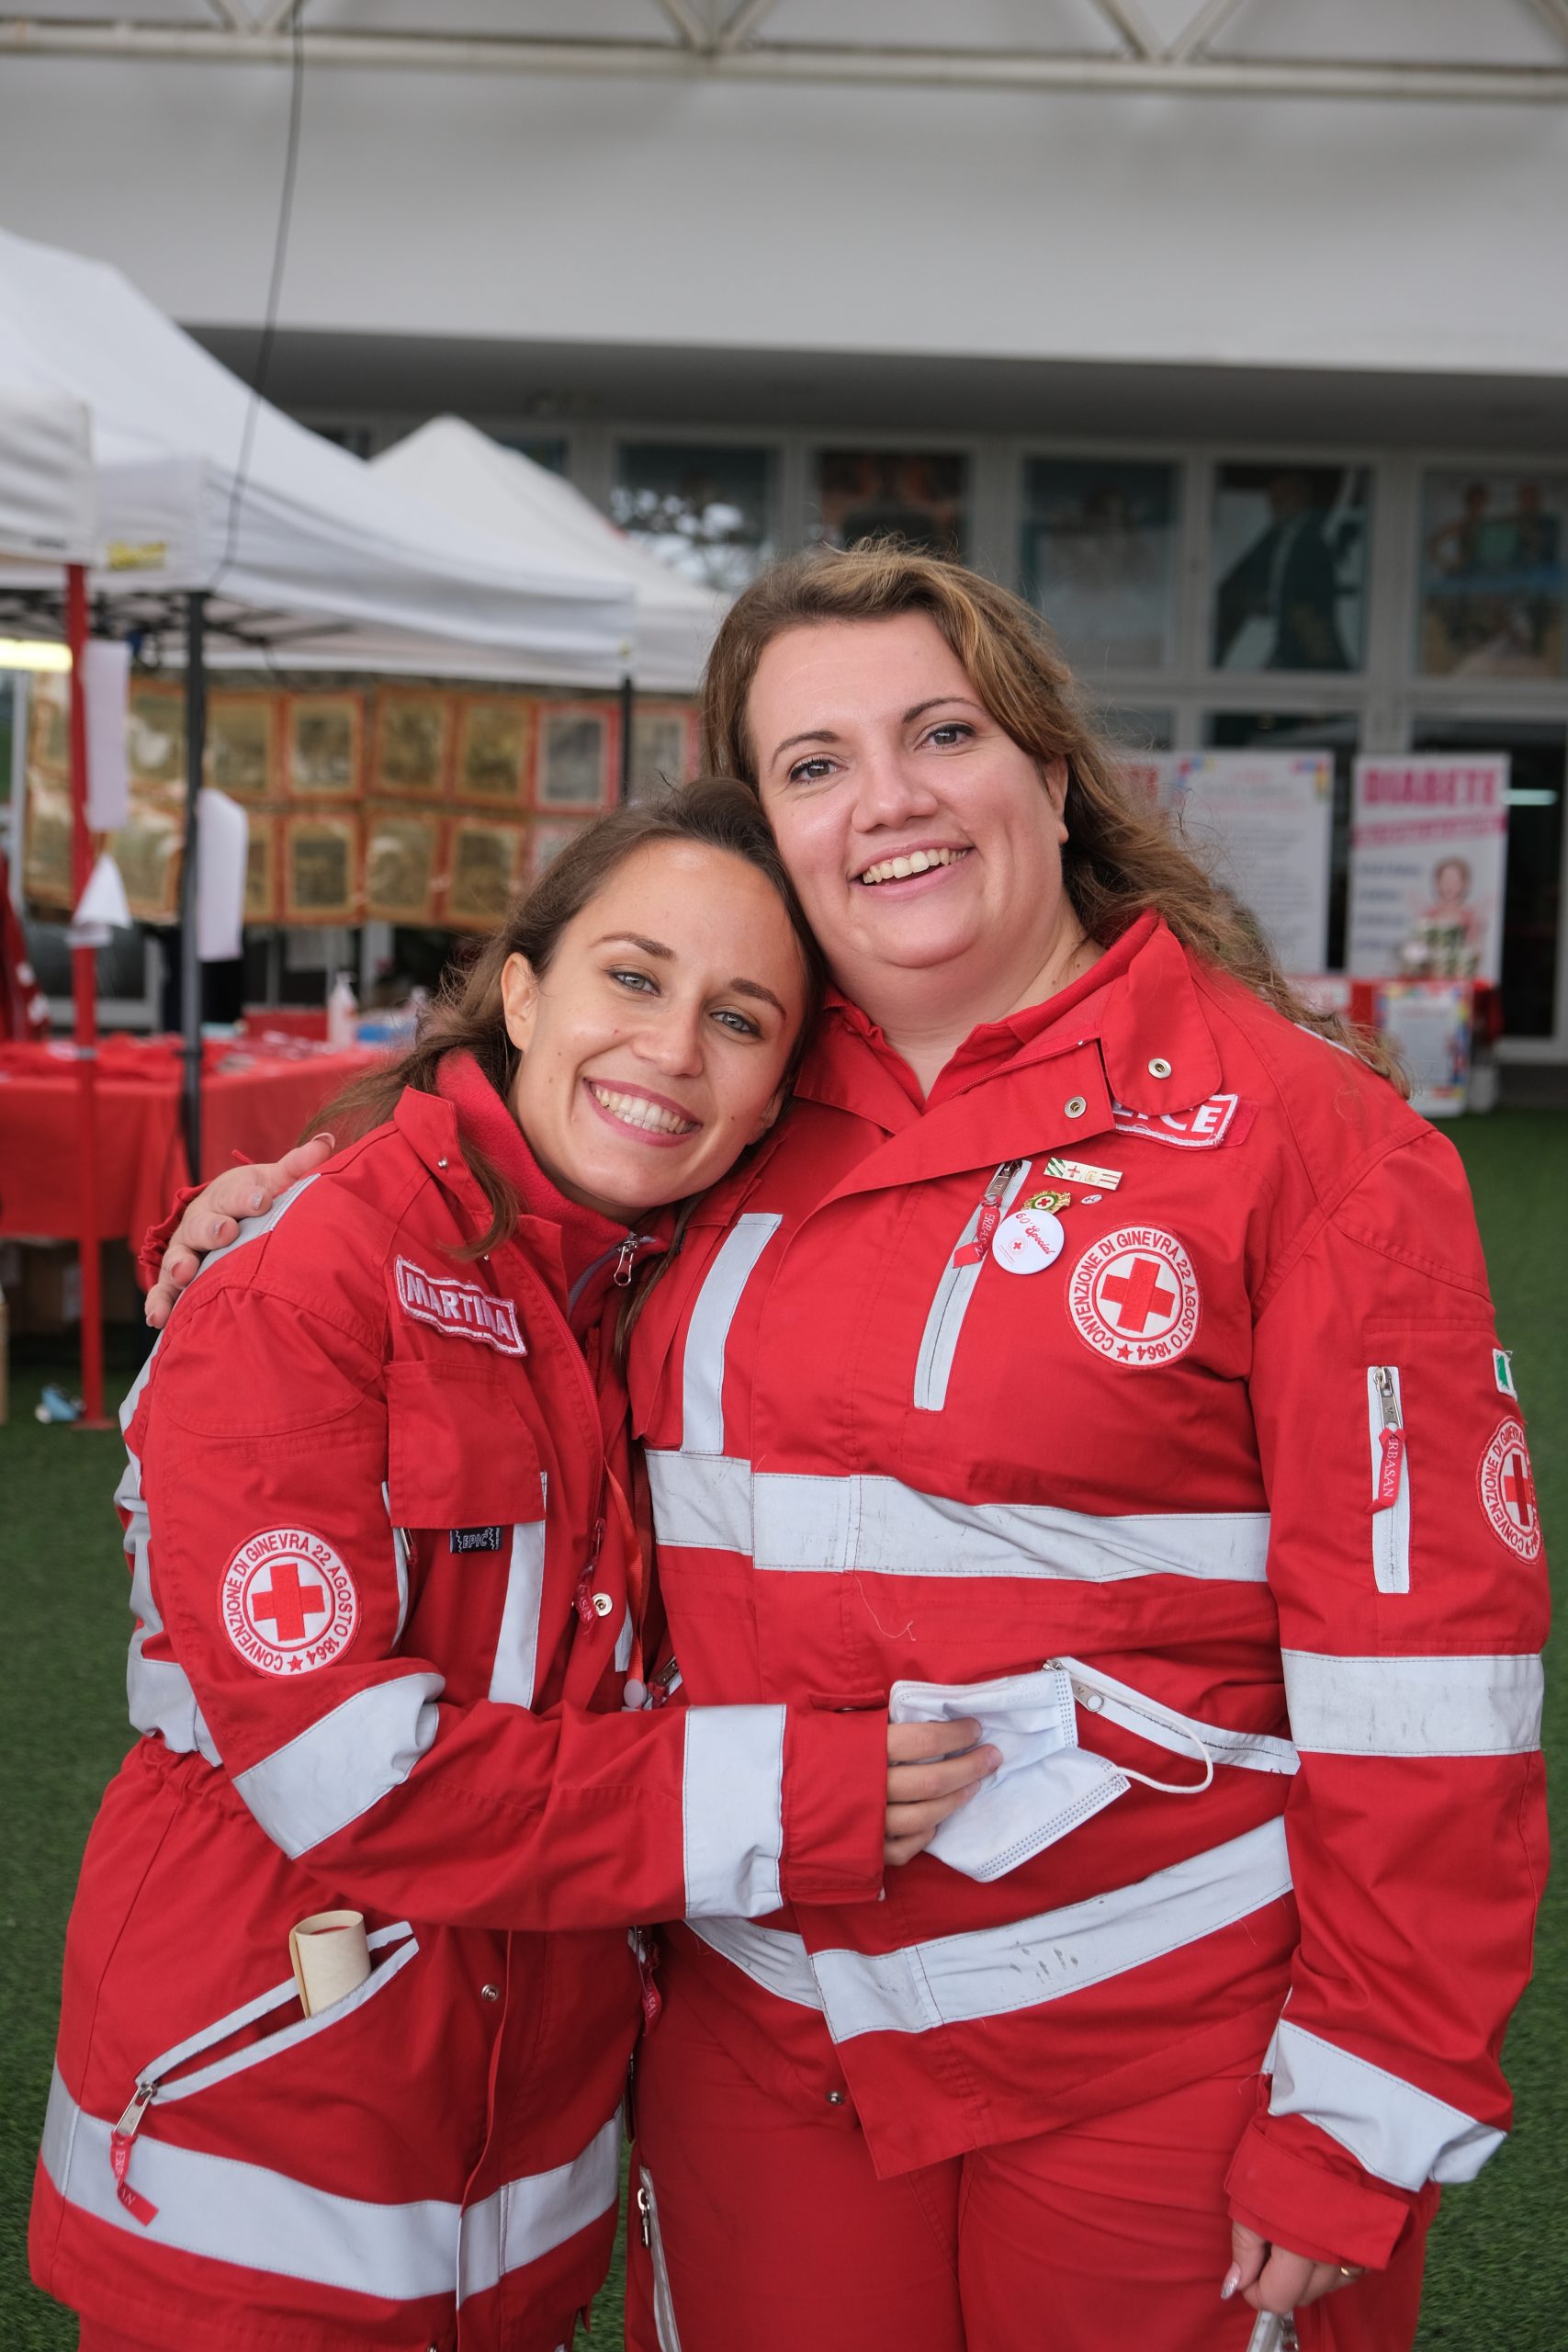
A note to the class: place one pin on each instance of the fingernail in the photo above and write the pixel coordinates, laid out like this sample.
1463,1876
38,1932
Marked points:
330,1141
256,1199
1232,2281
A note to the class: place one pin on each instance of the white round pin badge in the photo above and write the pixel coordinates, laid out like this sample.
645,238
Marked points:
1029,1240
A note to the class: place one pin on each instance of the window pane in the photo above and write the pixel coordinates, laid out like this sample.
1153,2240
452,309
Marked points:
1099,558
708,513
1273,730
1492,575
1290,550
913,496
550,453
1135,729
1532,890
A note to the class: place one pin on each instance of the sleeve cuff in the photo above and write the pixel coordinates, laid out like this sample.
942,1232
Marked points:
157,1238
835,1803
1313,2198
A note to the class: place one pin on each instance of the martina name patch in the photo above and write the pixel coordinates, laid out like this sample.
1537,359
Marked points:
467,1310
289,1603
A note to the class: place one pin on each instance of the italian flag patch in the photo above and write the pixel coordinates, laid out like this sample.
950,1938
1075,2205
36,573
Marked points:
1503,1373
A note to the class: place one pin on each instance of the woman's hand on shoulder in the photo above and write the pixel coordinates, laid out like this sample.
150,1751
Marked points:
213,1220
932,1769
1272,2278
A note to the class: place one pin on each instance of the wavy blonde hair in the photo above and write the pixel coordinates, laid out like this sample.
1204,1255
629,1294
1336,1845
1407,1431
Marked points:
1120,856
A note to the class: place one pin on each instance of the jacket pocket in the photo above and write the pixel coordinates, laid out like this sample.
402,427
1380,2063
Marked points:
955,1291
664,2325
161,2082
459,1452
1390,1479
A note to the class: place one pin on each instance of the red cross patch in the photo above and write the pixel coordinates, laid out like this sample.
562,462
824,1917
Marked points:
1134,1297
289,1603
1507,1490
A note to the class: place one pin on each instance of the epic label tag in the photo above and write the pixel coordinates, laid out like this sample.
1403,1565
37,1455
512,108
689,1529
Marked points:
474,1539
1027,1241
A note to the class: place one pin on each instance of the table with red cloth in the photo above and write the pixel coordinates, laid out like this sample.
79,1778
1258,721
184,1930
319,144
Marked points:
257,1096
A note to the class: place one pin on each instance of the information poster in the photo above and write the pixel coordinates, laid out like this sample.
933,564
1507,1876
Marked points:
1261,821
1429,1023
1428,846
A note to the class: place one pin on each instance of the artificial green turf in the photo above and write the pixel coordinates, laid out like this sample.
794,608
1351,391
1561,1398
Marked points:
1498,2274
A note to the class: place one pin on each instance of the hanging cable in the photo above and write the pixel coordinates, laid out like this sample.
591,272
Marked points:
275,288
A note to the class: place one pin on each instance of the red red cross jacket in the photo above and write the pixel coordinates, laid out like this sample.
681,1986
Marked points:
379,1662
1221,1419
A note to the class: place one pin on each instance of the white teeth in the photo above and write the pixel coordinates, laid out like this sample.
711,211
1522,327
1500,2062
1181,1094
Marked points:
918,860
636,1111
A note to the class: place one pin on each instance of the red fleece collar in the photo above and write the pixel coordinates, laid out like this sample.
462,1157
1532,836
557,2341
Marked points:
585,1235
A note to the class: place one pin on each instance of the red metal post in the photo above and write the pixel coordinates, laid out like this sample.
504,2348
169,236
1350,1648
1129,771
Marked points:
84,994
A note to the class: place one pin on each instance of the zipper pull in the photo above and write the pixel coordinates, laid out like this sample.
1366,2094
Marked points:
622,1277
645,2225
1390,1441
140,2208
583,1598
969,1253
663,1684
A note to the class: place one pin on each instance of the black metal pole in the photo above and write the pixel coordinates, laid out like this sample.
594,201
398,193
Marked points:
191,959
628,714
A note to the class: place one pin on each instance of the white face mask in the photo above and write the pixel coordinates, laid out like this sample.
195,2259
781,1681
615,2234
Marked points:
1046,1785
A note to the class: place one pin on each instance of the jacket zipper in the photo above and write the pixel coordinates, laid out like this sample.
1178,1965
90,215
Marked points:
1390,1479
664,2325
950,1303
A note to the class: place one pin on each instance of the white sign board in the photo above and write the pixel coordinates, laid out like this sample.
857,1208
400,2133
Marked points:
1428,844
1262,824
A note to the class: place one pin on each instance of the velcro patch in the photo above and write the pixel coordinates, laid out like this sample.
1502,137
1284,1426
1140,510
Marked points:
475,1539
1223,1118
467,1310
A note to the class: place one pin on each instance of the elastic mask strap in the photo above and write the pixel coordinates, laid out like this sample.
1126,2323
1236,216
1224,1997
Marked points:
1099,1695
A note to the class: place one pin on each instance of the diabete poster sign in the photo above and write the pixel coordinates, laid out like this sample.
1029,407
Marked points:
1262,822
1428,846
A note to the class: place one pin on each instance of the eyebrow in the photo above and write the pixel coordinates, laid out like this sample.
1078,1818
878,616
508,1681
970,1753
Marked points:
667,955
830,735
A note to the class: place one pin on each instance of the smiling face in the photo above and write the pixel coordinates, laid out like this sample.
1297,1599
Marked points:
924,842
656,1042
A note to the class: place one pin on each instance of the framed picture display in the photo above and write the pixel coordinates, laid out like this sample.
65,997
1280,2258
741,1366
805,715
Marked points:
575,763
1493,583
323,745
46,846
547,836
411,742
1100,556
244,731
401,854
1290,563
49,726
321,860
494,739
155,734
915,496
664,746
484,865
150,852
261,868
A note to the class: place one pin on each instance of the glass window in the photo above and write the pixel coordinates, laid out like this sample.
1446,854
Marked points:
550,453
913,496
1534,886
1274,731
1099,558
1289,566
1492,575
1136,729
708,513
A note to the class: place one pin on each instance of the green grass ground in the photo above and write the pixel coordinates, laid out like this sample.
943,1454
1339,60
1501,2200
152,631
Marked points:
1498,2274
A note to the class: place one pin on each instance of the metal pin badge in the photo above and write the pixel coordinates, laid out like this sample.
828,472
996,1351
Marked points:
1029,1240
1083,1171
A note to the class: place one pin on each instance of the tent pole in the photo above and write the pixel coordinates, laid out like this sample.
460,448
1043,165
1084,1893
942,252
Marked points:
190,958
628,713
84,994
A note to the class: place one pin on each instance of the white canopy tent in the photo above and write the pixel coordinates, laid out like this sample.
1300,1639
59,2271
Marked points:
296,545
475,480
46,481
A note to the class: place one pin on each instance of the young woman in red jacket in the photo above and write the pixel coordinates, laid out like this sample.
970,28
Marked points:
387,1656
1102,1349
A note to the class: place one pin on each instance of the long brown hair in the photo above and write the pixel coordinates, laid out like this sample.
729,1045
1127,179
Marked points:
467,1014
1120,856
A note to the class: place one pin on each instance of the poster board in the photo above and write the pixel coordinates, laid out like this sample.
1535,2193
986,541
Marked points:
1430,1022
402,853
411,743
321,869
244,737
323,745
261,869
577,755
494,751
1262,824
484,864
664,747
1428,851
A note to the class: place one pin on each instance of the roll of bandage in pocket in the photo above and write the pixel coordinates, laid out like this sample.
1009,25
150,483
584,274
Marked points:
330,1957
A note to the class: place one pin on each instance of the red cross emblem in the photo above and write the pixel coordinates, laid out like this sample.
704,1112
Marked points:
1507,1489
1134,1297
288,1602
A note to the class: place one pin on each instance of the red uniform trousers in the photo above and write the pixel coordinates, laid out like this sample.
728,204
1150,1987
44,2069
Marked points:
771,2230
